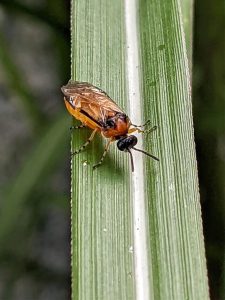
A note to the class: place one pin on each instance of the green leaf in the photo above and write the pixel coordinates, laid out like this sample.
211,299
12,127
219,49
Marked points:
187,20
136,236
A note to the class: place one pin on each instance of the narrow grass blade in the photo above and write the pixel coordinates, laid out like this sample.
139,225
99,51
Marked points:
102,247
187,7
178,265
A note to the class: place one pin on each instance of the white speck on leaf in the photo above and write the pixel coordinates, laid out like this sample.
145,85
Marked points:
131,250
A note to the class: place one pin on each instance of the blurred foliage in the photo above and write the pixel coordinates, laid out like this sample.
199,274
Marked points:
30,197
209,119
27,217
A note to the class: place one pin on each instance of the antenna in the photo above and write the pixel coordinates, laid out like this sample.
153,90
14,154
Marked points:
131,160
146,153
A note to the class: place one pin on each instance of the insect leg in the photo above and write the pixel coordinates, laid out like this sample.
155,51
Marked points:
77,127
131,130
85,144
142,131
146,123
149,130
103,155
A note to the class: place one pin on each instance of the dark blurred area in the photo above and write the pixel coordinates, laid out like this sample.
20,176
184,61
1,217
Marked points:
34,148
35,141
209,120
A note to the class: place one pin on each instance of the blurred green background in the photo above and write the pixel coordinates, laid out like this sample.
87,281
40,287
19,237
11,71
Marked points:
35,145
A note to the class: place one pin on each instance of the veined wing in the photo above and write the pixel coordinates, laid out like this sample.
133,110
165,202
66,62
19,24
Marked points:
90,100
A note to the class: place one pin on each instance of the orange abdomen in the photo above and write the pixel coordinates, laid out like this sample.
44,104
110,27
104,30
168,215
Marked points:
81,117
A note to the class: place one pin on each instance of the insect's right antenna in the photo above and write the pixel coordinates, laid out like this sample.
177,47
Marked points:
146,153
131,160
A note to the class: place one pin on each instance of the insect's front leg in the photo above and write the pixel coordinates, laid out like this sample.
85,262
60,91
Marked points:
131,130
145,124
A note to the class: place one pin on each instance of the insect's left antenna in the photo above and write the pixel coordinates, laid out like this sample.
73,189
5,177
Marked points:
146,153
131,160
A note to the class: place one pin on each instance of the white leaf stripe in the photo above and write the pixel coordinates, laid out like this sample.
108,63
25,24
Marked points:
139,205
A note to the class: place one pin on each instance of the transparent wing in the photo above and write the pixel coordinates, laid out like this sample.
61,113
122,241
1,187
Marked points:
91,100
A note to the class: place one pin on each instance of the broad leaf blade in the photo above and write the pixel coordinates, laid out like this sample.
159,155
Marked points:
104,264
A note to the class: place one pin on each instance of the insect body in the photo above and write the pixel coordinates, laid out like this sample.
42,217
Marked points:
96,110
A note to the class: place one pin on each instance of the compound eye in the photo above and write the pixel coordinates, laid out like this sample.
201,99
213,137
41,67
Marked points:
110,123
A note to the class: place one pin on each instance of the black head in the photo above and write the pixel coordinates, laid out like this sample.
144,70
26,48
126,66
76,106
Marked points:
128,142
125,144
